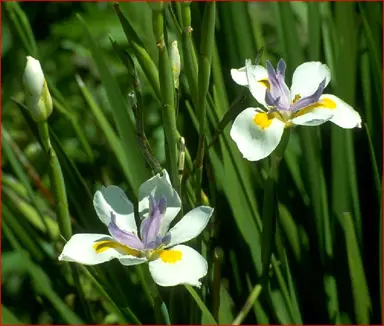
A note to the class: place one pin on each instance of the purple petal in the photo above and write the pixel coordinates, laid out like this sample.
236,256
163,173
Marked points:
166,239
150,226
311,99
270,100
281,67
128,239
278,87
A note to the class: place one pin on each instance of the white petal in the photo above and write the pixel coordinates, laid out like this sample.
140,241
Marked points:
312,116
81,249
329,108
188,268
191,225
257,81
239,76
343,115
33,77
307,78
253,141
160,186
112,199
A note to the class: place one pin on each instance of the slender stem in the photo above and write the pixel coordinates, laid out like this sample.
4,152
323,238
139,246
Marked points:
201,304
248,305
190,61
218,255
205,59
57,182
167,96
161,310
269,205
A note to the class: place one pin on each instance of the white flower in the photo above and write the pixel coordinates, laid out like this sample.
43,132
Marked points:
170,263
37,96
257,132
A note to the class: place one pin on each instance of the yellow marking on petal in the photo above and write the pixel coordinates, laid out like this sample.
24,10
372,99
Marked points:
171,256
103,245
328,103
324,103
297,97
265,83
262,120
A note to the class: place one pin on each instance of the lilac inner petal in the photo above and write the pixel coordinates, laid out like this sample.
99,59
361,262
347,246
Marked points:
308,100
128,239
150,226
270,100
278,88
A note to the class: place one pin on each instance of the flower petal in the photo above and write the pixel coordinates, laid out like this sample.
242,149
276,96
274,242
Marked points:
112,200
92,249
255,134
307,78
160,186
258,82
239,76
332,108
179,265
344,115
191,225
126,238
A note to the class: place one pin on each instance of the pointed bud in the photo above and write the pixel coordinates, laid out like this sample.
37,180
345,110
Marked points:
175,63
39,101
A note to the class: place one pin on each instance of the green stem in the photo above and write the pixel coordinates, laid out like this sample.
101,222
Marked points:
205,60
190,61
269,205
167,96
248,305
57,182
201,305
218,255
161,310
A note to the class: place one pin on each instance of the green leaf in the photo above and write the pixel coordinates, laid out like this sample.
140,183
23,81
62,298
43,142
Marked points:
207,316
360,292
120,112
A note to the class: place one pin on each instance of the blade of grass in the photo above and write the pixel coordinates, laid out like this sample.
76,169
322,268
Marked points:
253,296
207,315
120,112
361,298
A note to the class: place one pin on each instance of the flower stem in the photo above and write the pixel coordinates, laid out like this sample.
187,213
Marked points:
161,310
205,59
190,61
269,206
167,96
248,305
57,182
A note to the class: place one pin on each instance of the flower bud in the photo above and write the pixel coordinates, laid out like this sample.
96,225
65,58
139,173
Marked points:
175,63
38,99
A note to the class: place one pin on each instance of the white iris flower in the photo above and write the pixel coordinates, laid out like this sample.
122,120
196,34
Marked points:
170,263
257,132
